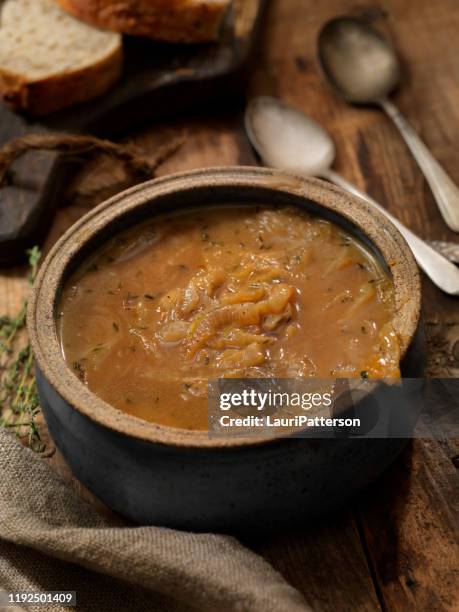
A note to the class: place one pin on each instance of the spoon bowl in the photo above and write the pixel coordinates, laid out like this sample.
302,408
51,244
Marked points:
286,138
357,61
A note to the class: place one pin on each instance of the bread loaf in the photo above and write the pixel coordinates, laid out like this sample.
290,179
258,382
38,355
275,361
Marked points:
185,21
50,60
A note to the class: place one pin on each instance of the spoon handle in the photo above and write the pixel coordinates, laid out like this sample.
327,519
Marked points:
442,272
445,192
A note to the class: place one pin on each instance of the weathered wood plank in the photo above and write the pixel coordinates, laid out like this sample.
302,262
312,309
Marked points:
410,518
325,560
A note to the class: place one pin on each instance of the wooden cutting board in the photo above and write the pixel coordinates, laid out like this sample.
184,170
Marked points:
158,79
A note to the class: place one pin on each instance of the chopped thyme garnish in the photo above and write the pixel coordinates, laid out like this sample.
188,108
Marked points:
79,369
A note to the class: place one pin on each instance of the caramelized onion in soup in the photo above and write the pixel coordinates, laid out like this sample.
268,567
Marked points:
224,292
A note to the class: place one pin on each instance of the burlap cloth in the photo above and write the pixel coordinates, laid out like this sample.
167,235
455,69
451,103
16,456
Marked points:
52,540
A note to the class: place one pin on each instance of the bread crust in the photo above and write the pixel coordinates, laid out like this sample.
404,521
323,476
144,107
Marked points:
167,20
62,90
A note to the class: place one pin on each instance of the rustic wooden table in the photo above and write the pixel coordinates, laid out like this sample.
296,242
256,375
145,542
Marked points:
395,547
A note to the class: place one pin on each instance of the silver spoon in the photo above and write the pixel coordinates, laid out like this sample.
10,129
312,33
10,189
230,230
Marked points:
287,139
363,68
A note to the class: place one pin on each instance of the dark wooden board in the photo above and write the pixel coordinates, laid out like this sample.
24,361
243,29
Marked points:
158,79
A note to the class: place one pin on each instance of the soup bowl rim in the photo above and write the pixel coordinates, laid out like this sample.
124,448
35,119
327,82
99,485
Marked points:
42,307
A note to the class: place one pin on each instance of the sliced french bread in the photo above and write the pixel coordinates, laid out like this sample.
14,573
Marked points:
49,60
183,21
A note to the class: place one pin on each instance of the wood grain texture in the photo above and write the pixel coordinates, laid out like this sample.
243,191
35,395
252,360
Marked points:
410,523
395,548
326,562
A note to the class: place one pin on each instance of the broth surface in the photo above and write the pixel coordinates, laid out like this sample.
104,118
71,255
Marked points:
224,292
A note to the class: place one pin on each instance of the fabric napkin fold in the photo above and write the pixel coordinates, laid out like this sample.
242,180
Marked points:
50,539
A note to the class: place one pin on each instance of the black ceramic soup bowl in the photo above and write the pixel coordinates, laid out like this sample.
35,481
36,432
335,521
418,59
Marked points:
160,475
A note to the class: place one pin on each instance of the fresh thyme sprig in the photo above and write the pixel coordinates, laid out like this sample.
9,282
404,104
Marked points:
19,404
